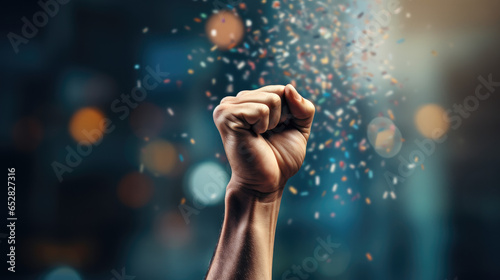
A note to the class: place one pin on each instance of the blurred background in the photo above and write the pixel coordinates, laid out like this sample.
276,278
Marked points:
106,116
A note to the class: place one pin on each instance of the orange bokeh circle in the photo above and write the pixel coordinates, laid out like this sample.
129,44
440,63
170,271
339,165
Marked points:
225,29
87,125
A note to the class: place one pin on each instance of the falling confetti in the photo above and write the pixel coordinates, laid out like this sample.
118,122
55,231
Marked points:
322,49
369,257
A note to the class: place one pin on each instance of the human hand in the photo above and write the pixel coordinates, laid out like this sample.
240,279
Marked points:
265,133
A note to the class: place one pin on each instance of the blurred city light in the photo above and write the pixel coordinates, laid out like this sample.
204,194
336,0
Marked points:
385,137
225,29
87,125
159,157
171,230
432,121
135,189
63,273
207,182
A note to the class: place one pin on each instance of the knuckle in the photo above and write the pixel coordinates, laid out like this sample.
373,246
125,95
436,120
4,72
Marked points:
219,112
275,101
242,92
263,110
226,99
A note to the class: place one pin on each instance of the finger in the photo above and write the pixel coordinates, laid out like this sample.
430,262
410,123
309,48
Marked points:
302,110
255,115
277,89
245,116
273,101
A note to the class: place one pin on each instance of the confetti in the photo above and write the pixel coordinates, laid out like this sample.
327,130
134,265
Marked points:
312,46
170,111
369,257
393,195
386,193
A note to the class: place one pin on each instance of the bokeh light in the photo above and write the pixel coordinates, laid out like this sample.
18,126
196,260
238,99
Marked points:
135,189
207,183
171,230
63,273
431,121
147,120
85,87
98,89
159,157
385,137
73,253
225,29
135,205
86,125
27,134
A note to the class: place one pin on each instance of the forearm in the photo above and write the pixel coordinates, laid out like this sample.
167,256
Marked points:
245,248
265,134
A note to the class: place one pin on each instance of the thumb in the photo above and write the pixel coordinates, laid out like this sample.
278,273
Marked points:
302,110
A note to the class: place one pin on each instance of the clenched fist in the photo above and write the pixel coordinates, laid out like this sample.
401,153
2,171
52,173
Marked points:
265,133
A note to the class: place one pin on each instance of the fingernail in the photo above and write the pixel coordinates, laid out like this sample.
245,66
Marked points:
296,94
287,90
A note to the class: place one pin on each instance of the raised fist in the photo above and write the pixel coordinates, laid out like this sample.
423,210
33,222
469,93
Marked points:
265,133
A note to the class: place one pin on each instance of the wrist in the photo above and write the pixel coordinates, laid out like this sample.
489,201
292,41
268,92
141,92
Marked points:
240,191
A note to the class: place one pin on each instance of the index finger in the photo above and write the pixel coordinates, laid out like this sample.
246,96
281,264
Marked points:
277,89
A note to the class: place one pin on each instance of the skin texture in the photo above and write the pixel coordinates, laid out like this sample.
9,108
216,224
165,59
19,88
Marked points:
265,133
